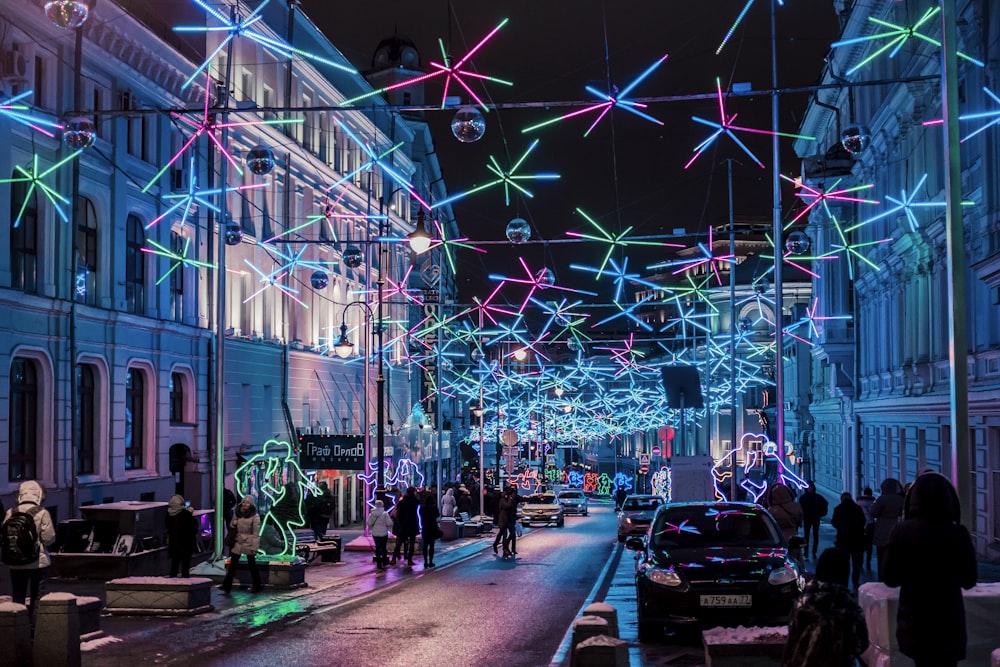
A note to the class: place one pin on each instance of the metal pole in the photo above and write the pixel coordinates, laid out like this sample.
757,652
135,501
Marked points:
958,350
732,337
380,389
779,321
74,268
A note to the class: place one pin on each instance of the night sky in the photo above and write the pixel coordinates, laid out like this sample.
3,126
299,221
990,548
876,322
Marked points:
629,171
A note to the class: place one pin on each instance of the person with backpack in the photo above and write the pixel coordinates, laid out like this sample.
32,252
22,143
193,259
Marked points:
26,533
320,508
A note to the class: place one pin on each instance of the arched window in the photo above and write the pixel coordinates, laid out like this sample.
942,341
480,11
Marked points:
86,419
135,413
23,430
135,266
176,398
23,237
86,253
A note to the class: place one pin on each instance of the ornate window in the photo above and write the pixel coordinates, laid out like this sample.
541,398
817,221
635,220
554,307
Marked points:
23,429
86,253
135,414
135,266
86,418
23,237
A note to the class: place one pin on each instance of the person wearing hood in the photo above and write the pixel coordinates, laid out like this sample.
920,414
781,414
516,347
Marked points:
782,506
182,532
32,574
826,626
885,512
246,522
463,504
448,503
379,523
931,558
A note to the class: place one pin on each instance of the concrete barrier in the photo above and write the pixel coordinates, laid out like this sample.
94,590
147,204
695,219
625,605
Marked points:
607,612
159,596
601,651
15,635
57,631
584,628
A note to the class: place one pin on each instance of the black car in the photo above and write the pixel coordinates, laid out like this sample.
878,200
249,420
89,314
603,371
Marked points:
707,564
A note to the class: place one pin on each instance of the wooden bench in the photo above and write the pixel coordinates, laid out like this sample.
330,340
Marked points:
159,596
327,549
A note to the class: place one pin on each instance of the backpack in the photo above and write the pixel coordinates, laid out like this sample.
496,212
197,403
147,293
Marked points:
19,538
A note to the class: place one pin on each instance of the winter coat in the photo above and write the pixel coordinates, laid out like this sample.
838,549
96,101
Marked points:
406,523
784,509
448,503
379,522
182,527
826,628
931,558
247,525
507,511
464,502
29,496
849,520
814,506
428,521
886,511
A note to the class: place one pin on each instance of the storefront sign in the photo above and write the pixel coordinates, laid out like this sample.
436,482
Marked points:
332,452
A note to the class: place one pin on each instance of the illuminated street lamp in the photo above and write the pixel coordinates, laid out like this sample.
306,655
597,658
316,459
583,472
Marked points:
420,240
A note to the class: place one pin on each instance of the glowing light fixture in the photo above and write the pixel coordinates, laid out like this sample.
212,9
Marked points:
343,347
420,240
68,14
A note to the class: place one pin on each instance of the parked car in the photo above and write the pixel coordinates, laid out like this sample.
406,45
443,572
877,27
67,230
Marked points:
543,509
636,514
574,501
709,564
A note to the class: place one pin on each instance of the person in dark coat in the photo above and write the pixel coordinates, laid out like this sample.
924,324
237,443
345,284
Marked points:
463,503
319,509
182,533
505,521
849,520
246,522
827,627
931,558
429,528
782,506
886,512
814,508
406,526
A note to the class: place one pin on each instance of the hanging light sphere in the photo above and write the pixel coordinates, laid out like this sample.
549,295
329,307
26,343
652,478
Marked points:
762,286
856,139
476,355
234,232
797,243
67,14
79,133
545,277
573,345
518,230
468,125
447,364
319,280
352,257
746,324
260,160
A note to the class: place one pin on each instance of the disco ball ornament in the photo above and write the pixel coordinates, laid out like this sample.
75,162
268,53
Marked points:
746,324
518,230
476,355
260,160
234,232
352,257
79,133
447,364
468,125
797,243
762,286
573,344
856,139
545,277
67,14
319,280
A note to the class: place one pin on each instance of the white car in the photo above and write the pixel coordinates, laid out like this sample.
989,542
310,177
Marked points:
574,501
544,510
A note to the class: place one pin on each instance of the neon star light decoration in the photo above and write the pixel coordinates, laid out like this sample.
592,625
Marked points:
242,27
450,72
981,115
178,259
736,24
17,112
613,99
725,127
817,196
538,280
35,176
509,178
613,240
906,204
706,257
897,36
188,201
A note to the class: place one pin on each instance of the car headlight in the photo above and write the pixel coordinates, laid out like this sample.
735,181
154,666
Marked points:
663,577
628,521
782,576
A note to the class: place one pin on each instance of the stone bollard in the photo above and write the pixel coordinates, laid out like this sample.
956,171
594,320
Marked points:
584,628
15,635
607,612
57,631
601,651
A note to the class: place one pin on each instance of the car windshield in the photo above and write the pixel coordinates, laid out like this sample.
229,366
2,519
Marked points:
544,499
573,495
701,526
641,504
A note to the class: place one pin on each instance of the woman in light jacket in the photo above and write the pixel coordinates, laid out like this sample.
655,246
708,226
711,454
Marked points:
380,523
448,503
246,522
32,575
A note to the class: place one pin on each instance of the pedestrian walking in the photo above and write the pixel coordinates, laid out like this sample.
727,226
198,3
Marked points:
380,524
182,533
246,522
406,526
849,520
505,521
319,510
448,503
463,502
886,512
827,627
429,530
865,502
26,533
930,557
814,508
785,510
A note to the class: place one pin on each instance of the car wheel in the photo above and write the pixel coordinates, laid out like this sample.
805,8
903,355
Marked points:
562,522
621,538
649,631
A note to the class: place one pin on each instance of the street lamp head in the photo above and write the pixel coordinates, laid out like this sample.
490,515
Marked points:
344,348
420,240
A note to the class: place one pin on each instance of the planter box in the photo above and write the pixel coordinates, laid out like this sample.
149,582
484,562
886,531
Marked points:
159,596
274,574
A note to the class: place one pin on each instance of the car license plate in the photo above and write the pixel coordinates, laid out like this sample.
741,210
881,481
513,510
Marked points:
726,600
